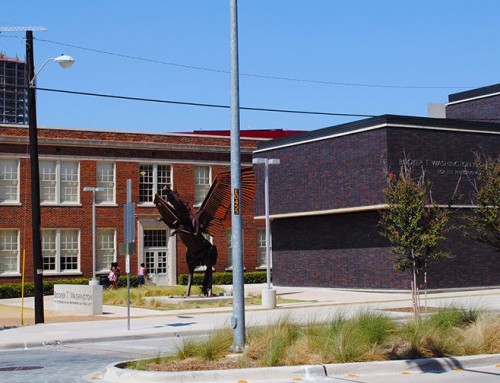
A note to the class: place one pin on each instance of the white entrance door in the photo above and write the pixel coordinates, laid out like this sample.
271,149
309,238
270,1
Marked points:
155,255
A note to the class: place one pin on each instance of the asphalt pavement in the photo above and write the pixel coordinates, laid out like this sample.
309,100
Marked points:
304,305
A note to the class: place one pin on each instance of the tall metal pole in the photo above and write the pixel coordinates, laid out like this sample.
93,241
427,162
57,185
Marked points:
238,317
94,190
35,185
268,294
94,241
268,224
127,257
94,281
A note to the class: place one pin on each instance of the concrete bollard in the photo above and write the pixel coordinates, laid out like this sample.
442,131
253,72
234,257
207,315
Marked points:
269,298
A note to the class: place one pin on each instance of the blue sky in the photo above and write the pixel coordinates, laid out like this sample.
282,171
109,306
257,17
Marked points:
414,51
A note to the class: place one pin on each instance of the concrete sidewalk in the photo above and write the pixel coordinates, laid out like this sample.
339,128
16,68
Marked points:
311,304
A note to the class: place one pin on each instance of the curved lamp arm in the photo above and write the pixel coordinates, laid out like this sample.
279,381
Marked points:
64,61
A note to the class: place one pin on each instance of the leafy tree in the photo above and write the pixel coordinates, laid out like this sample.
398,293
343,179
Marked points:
413,224
484,224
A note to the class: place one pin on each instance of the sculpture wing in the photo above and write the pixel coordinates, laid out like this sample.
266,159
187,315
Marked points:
216,207
167,212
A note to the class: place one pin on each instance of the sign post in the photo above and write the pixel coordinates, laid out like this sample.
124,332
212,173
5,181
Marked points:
129,234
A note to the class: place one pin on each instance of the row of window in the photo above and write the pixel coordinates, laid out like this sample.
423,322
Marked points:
61,249
60,181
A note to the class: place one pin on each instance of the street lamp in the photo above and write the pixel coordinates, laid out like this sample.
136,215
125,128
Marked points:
94,281
65,62
268,294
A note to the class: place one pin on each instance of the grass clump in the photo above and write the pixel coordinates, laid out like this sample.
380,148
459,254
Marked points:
268,345
139,298
360,338
438,335
365,336
119,297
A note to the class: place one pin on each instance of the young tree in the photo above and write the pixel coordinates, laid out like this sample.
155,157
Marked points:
484,224
413,224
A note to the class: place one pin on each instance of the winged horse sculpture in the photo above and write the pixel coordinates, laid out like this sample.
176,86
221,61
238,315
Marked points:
213,214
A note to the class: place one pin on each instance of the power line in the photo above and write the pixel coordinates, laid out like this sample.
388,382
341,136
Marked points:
253,74
268,77
129,98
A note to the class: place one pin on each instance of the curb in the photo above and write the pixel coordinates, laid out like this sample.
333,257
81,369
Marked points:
61,342
413,366
249,375
115,374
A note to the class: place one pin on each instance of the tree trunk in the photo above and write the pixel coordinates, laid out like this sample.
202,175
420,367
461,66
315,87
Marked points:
414,290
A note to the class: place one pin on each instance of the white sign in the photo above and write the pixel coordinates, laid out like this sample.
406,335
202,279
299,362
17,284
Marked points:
78,299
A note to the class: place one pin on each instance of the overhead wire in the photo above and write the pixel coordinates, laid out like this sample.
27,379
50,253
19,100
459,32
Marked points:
262,76
220,106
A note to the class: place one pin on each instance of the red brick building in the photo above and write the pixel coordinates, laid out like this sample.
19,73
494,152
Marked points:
71,160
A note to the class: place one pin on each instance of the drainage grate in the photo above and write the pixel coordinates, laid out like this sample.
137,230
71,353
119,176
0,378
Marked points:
20,368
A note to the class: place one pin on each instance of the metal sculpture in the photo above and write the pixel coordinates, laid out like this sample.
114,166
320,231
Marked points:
213,213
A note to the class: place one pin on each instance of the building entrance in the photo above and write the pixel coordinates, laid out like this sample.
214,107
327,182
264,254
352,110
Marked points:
156,255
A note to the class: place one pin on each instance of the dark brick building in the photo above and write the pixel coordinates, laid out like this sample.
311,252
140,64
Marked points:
326,195
71,160
481,104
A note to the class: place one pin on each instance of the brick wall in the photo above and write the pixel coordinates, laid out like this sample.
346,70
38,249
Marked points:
346,251
481,109
128,150
326,174
447,158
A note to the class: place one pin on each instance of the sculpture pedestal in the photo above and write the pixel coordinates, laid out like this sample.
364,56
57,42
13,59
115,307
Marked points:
269,298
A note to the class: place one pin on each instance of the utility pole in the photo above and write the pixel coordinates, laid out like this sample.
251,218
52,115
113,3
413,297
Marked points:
238,317
35,184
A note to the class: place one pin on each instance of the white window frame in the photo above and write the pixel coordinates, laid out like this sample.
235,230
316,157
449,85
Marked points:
10,247
261,249
9,181
201,186
57,250
106,184
55,183
157,185
104,250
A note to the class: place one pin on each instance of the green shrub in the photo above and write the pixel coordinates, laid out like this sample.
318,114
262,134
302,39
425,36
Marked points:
224,278
447,318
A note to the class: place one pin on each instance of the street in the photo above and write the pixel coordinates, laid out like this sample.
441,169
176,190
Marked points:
70,363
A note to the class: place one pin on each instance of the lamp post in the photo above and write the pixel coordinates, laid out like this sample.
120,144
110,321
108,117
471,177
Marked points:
238,317
268,294
94,281
65,62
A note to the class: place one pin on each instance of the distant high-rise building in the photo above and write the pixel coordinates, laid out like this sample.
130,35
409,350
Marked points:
13,91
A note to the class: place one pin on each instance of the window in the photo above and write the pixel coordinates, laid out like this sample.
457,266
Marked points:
9,251
155,238
106,248
152,178
201,183
59,182
261,248
105,182
61,249
9,181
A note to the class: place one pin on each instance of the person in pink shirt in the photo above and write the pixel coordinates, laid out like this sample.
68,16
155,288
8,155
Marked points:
142,274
